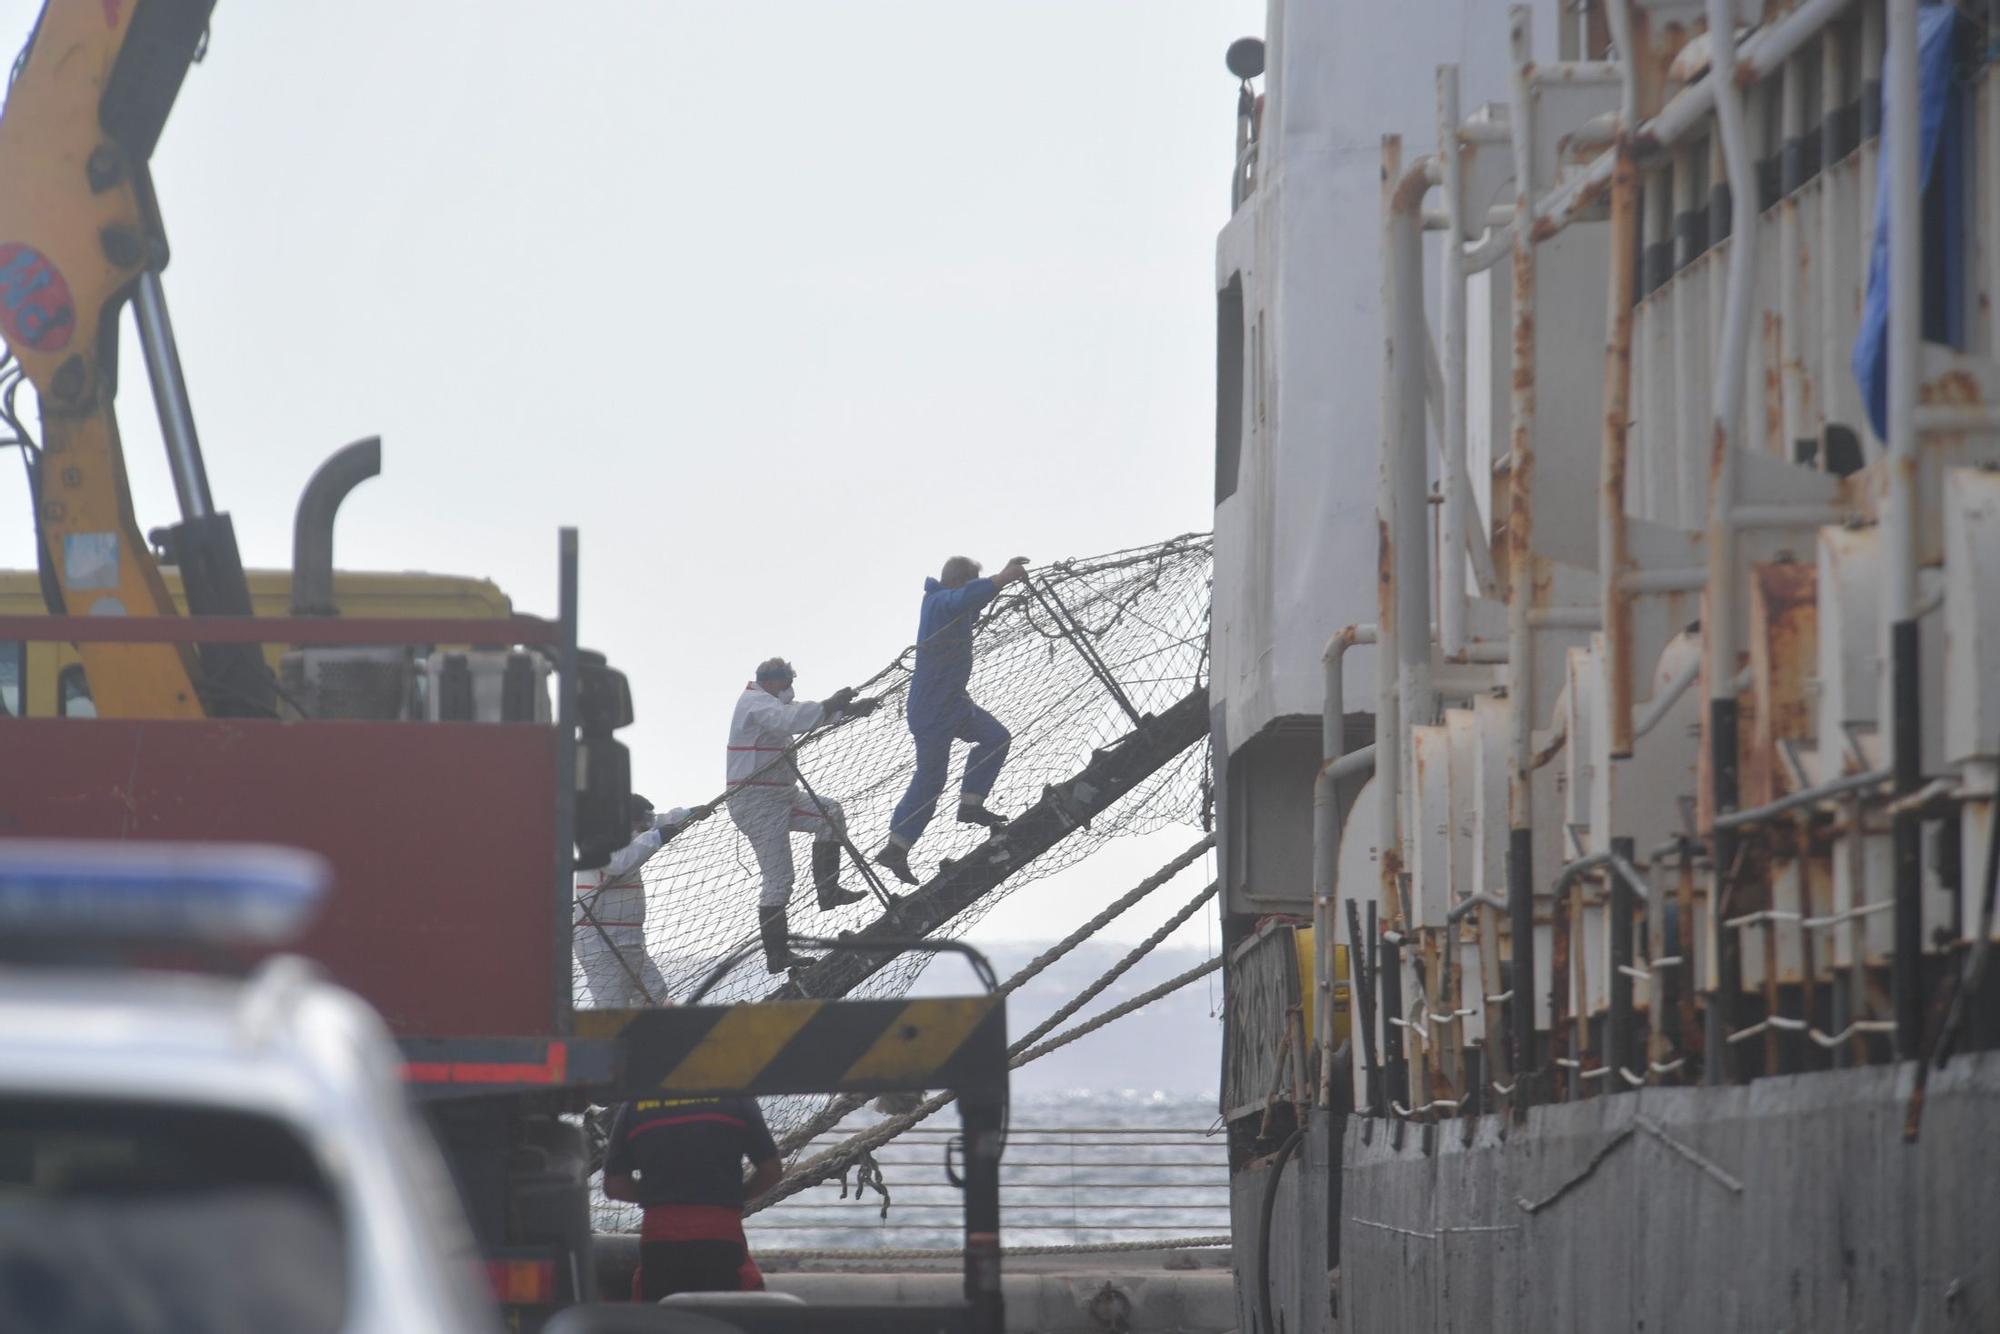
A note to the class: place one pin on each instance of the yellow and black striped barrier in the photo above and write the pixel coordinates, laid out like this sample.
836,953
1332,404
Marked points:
809,1046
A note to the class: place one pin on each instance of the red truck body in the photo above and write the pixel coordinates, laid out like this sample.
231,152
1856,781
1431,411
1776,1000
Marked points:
440,836
449,842
451,850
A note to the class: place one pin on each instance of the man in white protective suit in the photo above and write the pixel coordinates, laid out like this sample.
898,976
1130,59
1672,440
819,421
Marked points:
611,914
768,805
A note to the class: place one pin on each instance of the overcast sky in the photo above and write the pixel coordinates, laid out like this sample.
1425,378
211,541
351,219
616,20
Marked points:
780,303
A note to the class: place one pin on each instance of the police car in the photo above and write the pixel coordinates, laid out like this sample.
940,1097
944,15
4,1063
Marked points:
190,1150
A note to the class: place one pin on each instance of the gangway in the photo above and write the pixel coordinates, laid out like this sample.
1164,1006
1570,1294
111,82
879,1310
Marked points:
1112,772
1099,670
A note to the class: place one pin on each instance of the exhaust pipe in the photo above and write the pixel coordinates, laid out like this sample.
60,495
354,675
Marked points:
312,529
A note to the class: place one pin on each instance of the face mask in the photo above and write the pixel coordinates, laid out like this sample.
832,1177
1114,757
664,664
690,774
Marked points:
786,694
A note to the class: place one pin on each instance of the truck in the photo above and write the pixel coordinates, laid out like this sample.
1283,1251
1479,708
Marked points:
450,763
46,679
453,762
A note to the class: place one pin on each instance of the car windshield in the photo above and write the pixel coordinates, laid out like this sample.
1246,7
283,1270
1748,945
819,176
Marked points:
126,1216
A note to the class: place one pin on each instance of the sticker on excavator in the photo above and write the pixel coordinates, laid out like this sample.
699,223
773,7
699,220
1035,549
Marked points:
90,560
35,306
813,1046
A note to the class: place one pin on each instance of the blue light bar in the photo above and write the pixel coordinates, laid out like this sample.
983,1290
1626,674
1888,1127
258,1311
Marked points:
125,890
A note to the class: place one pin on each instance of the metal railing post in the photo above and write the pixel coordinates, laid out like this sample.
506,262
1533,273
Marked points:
1899,511
1452,523
1521,573
1326,839
1719,627
1621,297
1618,1038
564,958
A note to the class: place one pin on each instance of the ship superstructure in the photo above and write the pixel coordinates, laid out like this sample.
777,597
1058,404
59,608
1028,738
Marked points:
1665,862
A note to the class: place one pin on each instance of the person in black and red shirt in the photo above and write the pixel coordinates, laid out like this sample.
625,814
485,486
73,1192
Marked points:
682,1160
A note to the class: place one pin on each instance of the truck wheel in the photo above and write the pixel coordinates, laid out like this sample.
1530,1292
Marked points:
548,1198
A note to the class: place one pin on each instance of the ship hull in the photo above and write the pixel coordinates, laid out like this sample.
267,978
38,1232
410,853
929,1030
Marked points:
1791,1203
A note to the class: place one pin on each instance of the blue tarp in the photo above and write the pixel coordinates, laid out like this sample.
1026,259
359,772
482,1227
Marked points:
1940,121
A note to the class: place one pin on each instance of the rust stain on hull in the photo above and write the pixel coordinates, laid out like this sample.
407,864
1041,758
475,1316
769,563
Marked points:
1521,458
1955,388
1774,382
1784,660
1614,449
1392,889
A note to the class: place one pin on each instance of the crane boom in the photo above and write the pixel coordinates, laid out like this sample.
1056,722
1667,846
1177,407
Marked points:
80,235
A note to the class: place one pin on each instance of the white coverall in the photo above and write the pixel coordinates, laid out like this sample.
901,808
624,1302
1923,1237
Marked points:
768,804
614,959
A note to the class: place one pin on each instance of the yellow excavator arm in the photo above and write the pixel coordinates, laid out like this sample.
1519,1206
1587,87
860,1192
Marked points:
79,237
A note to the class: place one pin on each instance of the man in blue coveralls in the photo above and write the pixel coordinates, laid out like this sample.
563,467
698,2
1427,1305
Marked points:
940,711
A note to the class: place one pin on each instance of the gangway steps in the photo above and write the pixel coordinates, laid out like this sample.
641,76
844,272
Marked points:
1112,772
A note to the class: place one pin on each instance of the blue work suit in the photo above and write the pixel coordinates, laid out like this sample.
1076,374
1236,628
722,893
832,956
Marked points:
940,710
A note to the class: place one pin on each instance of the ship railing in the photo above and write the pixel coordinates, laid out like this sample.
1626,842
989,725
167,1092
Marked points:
1668,491
1059,1185
1083,1186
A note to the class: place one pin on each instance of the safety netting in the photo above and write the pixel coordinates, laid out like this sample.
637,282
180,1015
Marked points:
1141,614
1069,662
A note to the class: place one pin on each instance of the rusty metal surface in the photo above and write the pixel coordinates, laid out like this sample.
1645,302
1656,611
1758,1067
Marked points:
1784,666
1259,1067
1614,556
1562,1045
1634,526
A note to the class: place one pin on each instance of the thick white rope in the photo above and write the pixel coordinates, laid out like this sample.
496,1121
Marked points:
834,1160
838,1108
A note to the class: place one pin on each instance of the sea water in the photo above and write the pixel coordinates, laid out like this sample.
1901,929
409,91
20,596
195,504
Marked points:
1094,1167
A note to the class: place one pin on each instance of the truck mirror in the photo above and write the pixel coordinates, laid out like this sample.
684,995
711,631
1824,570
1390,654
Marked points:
603,800
603,697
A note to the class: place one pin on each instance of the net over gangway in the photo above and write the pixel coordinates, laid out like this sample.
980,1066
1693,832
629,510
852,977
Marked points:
1096,666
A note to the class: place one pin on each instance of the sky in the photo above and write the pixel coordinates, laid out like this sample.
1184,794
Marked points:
780,304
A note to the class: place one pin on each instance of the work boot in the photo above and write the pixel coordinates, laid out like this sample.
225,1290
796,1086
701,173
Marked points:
975,812
897,858
826,876
777,934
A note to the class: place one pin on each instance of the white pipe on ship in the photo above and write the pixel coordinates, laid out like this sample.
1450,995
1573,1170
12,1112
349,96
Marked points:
1763,51
1326,835
1402,695
1451,594
1899,510
1520,571
1738,298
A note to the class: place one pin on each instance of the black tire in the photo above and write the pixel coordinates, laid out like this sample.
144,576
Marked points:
548,1198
